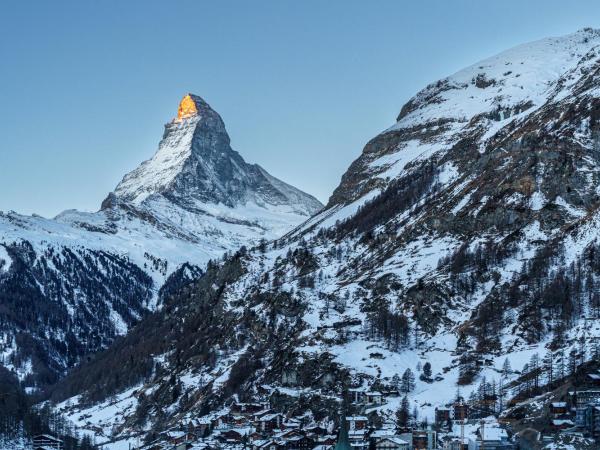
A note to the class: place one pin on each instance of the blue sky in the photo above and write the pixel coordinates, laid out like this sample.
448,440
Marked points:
86,86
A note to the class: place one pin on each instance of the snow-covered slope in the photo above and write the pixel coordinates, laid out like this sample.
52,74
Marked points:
476,102
94,275
464,234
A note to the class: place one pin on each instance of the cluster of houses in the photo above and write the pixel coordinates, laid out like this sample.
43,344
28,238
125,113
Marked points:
256,427
579,413
460,431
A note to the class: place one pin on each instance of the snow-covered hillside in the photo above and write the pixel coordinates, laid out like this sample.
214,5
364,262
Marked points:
88,277
464,234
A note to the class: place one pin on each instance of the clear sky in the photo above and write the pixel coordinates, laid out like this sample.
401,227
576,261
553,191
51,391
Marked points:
86,86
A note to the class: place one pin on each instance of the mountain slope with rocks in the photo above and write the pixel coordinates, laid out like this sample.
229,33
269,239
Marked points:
70,285
464,234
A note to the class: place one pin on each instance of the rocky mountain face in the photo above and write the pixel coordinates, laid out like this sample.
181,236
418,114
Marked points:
70,285
195,165
463,235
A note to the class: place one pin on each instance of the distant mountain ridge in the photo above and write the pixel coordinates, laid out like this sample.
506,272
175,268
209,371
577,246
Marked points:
70,285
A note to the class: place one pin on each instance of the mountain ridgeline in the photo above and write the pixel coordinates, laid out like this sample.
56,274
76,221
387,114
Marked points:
464,234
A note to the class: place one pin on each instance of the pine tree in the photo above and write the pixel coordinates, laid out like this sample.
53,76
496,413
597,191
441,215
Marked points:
534,367
527,383
458,396
396,381
501,395
560,366
403,414
427,370
494,394
408,381
506,369
573,359
548,369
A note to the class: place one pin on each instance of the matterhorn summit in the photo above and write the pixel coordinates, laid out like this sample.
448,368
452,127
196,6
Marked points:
195,166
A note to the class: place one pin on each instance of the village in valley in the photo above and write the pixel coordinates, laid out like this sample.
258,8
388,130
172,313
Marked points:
365,422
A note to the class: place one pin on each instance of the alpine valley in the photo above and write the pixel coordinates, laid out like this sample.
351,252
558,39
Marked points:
457,259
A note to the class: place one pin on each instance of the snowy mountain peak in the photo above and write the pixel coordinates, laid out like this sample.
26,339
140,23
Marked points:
476,103
195,166
196,129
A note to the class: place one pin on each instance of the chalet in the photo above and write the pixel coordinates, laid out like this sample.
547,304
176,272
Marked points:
246,409
376,435
442,416
583,398
591,421
460,411
358,439
299,443
328,441
239,421
263,412
357,395
593,379
221,421
424,440
391,443
562,424
269,422
357,422
231,436
47,442
291,424
316,431
267,444
374,398
490,437
288,434
558,408
183,437
255,436
201,428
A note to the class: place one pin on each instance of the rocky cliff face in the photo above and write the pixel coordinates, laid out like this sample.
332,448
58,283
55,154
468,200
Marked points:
70,285
464,234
